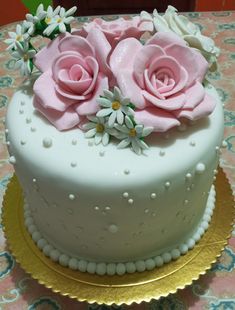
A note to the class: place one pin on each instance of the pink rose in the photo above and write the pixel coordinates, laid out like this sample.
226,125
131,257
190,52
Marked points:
163,79
75,73
120,29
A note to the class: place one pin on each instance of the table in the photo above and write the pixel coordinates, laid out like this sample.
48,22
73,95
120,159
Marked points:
216,289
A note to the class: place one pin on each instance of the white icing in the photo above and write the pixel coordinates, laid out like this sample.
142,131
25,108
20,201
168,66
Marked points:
101,184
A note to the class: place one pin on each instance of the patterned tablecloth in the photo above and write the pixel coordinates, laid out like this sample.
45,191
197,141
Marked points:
216,289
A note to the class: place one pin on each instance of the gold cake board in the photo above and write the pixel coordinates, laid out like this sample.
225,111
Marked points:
124,289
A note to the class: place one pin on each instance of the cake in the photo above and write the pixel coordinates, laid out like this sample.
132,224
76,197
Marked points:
116,143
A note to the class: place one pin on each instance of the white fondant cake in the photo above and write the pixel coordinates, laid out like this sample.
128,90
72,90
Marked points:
91,203
102,205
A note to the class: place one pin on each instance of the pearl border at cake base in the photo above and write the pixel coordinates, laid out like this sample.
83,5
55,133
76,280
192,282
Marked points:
128,288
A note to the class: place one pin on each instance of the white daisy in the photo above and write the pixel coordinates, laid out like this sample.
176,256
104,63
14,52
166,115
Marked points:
32,20
20,35
99,130
23,56
115,106
132,134
58,18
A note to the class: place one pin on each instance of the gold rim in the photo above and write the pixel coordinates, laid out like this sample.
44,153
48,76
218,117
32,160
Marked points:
124,289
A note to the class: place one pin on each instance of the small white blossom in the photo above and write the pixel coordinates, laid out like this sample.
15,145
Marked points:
58,18
32,20
40,15
99,130
23,56
115,106
132,134
20,35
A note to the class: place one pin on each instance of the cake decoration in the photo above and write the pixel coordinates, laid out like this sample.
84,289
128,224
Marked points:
88,78
185,29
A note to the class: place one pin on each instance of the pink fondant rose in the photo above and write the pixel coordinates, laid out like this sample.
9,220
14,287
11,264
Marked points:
120,29
163,79
75,73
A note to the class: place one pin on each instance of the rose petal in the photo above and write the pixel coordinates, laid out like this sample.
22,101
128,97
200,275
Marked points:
165,38
44,58
159,119
201,110
130,89
68,94
65,61
120,58
45,92
174,102
102,49
61,120
194,95
94,67
193,62
77,44
91,106
143,59
77,87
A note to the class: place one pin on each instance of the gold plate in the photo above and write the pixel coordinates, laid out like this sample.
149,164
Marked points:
128,288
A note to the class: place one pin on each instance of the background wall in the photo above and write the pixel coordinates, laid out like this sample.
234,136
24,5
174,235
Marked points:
14,10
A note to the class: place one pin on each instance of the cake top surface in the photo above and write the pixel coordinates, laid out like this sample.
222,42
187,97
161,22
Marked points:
110,81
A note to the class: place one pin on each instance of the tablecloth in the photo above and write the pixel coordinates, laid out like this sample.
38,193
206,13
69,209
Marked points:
216,289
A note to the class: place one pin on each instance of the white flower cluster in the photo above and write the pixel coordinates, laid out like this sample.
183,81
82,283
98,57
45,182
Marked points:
191,33
116,119
47,23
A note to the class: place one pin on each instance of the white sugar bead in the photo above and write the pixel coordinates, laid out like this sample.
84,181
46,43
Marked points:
32,228
91,267
150,264
47,142
120,269
73,263
47,249
54,255
111,269
175,254
140,266
82,265
190,243
64,260
183,248
101,269
130,267
41,243
166,257
36,236
158,261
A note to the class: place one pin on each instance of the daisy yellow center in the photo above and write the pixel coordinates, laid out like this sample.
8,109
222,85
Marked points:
19,37
59,20
116,105
25,57
47,20
132,132
99,128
